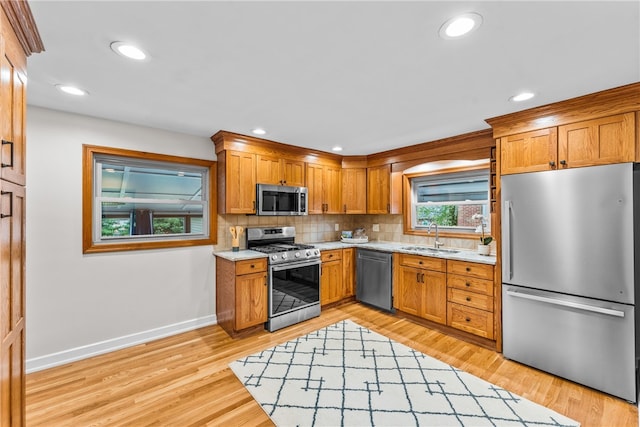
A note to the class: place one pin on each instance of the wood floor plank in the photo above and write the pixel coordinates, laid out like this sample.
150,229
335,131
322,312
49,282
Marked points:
184,380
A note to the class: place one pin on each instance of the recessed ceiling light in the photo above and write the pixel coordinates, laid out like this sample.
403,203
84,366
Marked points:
72,90
521,97
337,148
128,50
460,25
258,131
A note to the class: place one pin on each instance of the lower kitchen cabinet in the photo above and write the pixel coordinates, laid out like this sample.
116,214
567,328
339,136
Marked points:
331,279
241,294
349,272
470,297
421,288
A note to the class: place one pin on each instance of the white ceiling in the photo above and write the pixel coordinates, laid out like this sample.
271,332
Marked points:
368,75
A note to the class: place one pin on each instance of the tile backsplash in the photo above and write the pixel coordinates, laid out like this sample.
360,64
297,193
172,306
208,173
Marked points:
321,228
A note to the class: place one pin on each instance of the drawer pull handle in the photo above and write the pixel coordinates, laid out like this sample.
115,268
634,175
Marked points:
468,268
10,214
468,298
420,262
10,164
467,284
468,319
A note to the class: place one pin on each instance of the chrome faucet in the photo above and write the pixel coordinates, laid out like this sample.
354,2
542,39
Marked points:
436,243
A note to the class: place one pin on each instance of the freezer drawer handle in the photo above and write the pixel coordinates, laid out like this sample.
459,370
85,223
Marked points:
571,304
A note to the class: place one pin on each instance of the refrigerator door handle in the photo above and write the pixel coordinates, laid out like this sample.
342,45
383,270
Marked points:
563,303
506,240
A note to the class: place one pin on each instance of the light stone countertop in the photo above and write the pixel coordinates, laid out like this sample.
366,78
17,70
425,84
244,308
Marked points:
463,255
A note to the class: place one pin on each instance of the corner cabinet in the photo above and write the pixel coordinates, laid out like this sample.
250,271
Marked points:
241,294
18,38
354,191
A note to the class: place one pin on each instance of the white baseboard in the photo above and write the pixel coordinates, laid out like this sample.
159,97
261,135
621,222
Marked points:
86,351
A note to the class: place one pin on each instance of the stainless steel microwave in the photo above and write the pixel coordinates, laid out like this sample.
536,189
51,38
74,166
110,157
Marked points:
281,200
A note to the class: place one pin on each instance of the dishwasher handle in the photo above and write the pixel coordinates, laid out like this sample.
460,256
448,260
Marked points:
571,304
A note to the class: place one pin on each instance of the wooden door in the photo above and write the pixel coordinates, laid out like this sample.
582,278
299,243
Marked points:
409,292
379,190
434,305
354,191
240,183
331,282
529,151
12,308
597,142
349,272
315,180
13,104
293,172
268,170
333,189
251,300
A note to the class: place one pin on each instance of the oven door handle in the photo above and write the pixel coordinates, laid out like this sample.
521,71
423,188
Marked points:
290,265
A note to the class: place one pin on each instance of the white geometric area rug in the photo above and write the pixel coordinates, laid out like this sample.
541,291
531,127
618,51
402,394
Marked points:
347,375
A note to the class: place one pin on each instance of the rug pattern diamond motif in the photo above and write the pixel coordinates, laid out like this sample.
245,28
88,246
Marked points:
347,375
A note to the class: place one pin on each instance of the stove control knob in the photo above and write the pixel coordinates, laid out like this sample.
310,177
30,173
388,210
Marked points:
316,252
284,256
297,254
307,253
274,257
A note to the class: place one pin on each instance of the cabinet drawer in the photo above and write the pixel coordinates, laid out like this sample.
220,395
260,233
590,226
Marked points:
472,284
251,266
472,320
332,255
429,263
471,299
483,271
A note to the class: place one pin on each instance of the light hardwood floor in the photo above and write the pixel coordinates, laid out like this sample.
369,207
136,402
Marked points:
184,380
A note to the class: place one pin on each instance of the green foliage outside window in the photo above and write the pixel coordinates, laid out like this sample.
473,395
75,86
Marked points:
168,225
446,216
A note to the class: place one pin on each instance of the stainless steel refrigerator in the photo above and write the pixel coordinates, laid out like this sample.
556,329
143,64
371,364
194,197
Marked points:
568,273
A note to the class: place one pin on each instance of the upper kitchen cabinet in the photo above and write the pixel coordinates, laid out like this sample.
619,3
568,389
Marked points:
354,190
279,171
237,193
379,189
325,186
595,129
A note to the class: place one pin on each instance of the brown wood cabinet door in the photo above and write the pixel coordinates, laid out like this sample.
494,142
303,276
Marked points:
332,189
268,170
349,272
13,103
529,151
331,289
240,183
315,182
379,190
434,285
409,293
12,309
597,142
354,191
251,300
293,172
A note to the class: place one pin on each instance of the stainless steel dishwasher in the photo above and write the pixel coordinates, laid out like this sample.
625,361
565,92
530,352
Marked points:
374,278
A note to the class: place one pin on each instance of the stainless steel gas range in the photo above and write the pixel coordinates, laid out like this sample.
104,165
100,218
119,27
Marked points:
293,275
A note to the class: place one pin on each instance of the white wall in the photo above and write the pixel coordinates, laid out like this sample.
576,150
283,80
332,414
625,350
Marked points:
79,304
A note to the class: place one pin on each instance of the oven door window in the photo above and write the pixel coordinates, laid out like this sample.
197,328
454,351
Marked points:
293,287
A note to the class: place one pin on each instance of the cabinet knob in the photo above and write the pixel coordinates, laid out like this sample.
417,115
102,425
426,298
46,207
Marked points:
563,162
467,319
253,266
552,163
467,284
420,262
468,298
468,268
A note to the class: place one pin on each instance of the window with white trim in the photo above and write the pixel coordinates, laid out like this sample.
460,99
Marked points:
140,200
450,200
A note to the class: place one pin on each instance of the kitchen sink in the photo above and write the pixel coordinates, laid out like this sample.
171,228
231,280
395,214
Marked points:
427,249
